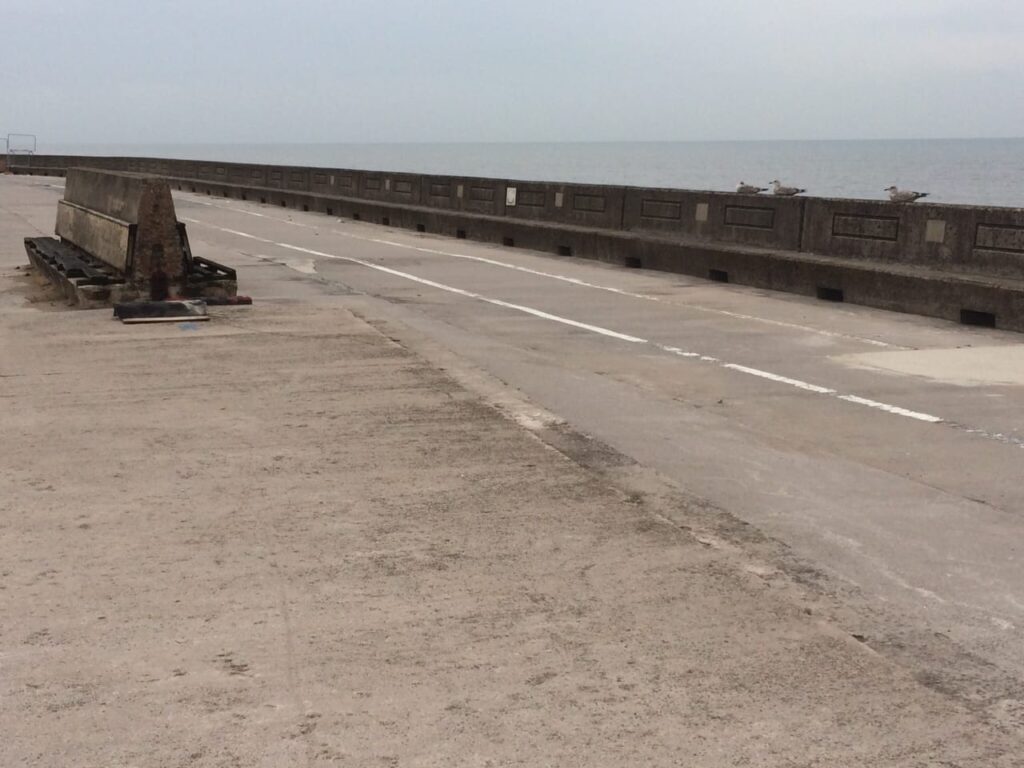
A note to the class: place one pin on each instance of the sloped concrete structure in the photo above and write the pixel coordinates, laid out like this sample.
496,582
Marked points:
120,240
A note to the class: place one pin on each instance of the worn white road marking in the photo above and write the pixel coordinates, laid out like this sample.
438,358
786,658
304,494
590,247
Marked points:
999,437
433,284
798,384
572,280
244,234
781,379
890,408
469,294
612,289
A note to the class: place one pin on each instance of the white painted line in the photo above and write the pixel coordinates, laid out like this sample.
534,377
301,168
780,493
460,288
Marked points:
469,294
433,284
245,234
781,379
577,281
890,408
229,231
612,289
796,383
997,436
680,352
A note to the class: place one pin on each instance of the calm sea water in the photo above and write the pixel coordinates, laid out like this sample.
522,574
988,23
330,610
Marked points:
979,171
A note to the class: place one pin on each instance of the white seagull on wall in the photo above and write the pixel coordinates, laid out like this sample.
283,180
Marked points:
749,189
782,191
898,195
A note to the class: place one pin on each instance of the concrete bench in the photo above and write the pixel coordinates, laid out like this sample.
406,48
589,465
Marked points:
120,240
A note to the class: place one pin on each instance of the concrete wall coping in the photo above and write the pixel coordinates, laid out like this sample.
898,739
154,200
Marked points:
40,162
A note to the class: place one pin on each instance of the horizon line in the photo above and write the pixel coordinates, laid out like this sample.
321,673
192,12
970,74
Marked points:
525,141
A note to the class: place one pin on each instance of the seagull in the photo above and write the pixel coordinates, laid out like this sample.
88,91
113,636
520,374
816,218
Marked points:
781,191
749,189
898,195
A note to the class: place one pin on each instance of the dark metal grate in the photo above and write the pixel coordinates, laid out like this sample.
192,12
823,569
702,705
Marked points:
830,294
980,319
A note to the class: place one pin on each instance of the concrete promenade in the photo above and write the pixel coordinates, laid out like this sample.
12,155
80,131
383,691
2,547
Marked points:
433,502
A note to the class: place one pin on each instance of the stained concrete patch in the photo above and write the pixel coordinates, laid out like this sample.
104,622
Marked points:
962,366
22,285
305,266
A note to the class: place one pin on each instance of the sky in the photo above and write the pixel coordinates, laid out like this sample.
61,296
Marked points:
251,71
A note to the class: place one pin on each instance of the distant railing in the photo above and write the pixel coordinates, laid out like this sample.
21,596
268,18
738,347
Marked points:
20,147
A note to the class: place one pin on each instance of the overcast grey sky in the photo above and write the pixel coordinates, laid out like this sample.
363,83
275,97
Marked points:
524,70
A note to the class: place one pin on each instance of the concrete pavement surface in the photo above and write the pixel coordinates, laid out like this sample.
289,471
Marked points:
433,502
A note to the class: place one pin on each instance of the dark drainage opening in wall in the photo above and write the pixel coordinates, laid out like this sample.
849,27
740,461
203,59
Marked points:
460,234
330,211
508,242
305,208
830,294
386,221
226,193
357,217
565,250
974,317
284,204
718,275
263,201
207,191
634,263
421,227
245,196
192,188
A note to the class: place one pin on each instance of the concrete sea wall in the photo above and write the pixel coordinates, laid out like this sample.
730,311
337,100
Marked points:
962,263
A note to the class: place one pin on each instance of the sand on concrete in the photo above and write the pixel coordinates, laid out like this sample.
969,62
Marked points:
282,538
963,366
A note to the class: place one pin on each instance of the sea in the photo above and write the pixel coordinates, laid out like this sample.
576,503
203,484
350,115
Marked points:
969,171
